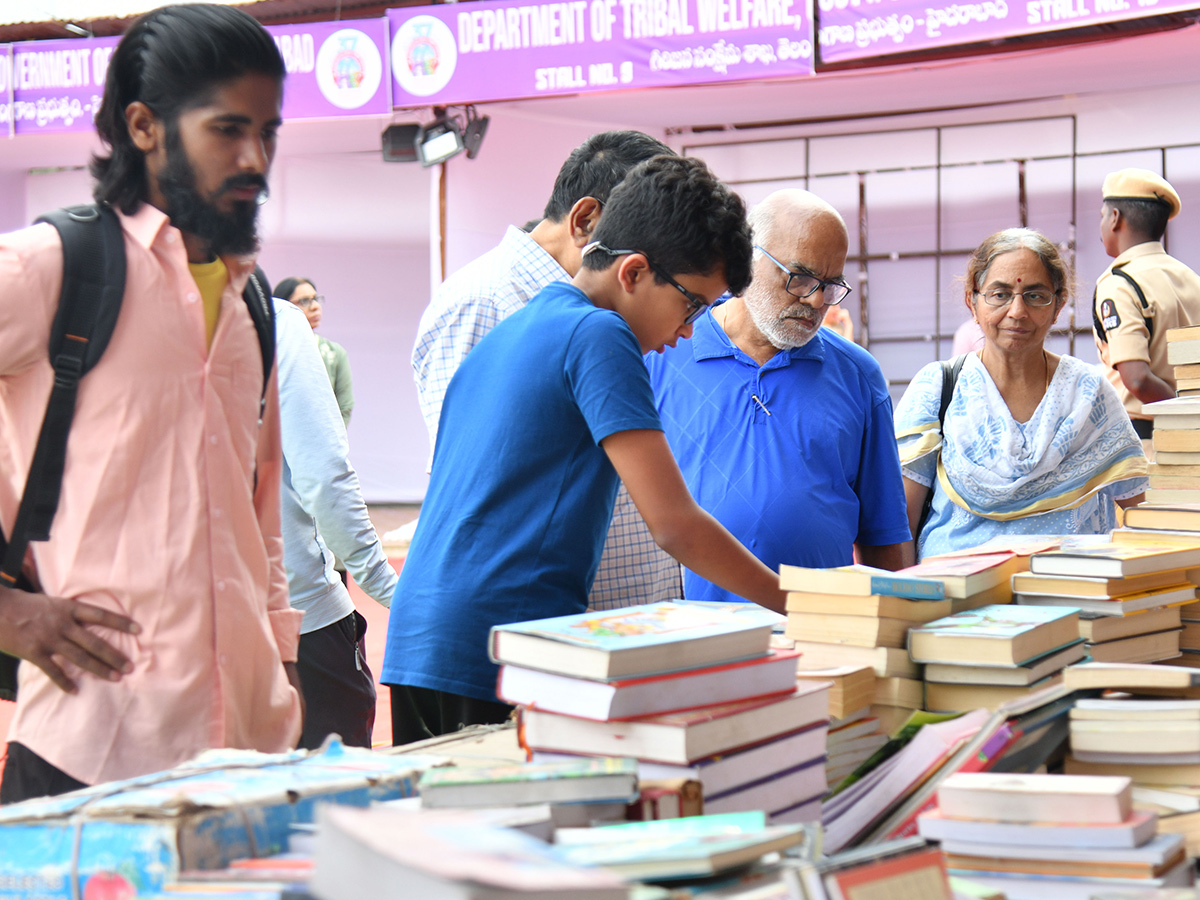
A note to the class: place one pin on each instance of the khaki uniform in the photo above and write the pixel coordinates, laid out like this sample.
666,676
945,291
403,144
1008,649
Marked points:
1172,293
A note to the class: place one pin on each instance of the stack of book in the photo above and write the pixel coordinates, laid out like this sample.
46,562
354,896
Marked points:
859,616
1136,731
1121,619
972,578
851,688
1051,836
1129,591
851,742
993,655
690,690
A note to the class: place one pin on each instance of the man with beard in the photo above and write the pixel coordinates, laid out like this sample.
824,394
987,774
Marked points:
783,429
169,514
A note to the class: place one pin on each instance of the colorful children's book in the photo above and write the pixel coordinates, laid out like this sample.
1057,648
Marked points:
637,640
1001,635
860,581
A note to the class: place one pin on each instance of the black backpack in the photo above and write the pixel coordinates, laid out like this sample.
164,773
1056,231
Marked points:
92,287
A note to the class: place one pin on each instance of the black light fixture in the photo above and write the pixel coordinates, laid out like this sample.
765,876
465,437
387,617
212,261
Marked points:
435,142
440,140
474,131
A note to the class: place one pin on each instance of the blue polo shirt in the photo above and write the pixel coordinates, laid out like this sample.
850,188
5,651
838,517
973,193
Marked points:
520,492
797,458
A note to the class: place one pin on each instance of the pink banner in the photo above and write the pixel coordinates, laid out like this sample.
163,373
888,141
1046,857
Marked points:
57,85
510,49
862,29
335,69
6,104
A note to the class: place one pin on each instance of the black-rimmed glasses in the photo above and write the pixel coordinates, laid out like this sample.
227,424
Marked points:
1039,297
696,304
804,284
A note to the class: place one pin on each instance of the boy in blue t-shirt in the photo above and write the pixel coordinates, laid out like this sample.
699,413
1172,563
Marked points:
538,423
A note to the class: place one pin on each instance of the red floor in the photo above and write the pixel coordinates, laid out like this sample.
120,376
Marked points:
377,618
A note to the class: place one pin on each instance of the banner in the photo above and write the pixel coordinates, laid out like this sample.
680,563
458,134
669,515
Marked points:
335,69
863,29
511,49
6,105
57,85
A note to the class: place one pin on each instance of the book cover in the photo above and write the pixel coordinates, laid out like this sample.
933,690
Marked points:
859,580
999,622
966,575
647,625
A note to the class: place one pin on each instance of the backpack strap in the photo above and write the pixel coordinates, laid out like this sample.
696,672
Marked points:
92,287
262,312
1098,325
950,370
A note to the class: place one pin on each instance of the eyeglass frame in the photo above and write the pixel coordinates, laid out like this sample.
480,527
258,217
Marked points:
820,285
1053,295
305,302
696,304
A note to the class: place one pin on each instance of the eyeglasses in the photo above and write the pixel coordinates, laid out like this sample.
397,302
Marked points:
1000,298
805,284
306,302
696,304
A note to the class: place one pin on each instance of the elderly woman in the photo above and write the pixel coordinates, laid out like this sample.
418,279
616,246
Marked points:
1032,443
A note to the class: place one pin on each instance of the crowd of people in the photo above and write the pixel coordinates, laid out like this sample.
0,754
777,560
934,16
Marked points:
631,399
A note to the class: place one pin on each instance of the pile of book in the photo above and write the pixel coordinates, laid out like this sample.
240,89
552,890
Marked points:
994,654
854,731
692,691
1175,472
1130,592
1051,836
979,576
860,616
1143,733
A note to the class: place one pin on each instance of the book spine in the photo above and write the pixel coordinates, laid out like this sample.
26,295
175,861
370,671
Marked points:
908,588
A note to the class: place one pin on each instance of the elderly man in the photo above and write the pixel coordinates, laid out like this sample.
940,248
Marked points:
1142,294
783,429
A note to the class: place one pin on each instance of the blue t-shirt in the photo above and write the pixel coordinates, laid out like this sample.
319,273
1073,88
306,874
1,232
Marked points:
796,458
520,492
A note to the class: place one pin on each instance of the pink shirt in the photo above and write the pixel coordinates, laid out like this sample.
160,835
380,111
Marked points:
159,518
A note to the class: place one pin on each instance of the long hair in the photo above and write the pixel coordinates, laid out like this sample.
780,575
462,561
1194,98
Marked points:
172,59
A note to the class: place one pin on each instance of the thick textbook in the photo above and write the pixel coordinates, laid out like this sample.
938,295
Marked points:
1128,676
1114,560
1026,674
859,580
868,605
855,631
1169,517
1132,832
1003,635
636,640
682,738
1010,797
652,695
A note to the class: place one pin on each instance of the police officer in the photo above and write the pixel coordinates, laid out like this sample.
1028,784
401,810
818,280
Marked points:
1142,294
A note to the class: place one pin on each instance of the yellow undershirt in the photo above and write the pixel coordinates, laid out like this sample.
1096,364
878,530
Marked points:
211,278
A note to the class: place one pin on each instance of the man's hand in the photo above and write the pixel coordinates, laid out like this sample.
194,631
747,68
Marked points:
293,677
47,630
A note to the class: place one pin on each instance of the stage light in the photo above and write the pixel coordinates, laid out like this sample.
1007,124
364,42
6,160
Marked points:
400,143
440,140
474,131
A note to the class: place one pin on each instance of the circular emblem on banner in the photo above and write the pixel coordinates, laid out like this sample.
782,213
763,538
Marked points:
424,55
349,68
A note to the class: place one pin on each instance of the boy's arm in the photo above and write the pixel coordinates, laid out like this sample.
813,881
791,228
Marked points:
643,459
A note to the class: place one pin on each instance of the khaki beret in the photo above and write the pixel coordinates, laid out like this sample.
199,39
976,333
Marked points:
1141,184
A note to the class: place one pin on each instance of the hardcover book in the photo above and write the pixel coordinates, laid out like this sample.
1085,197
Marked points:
859,580
637,640
994,635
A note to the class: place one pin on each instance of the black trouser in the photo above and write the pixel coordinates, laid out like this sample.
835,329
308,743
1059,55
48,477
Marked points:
27,775
339,689
420,713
